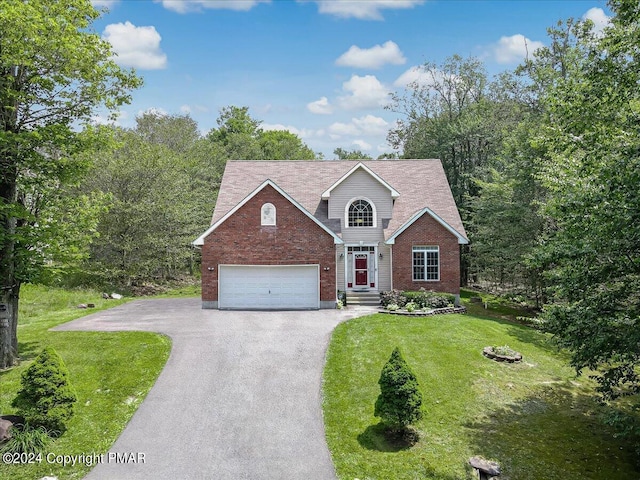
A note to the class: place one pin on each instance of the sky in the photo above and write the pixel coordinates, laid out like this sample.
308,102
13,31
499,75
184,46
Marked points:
322,69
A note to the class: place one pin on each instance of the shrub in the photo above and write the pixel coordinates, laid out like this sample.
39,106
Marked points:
392,307
393,296
46,398
400,401
428,299
410,307
26,440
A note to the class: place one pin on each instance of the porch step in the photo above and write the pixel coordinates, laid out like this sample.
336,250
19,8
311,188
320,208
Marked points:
363,298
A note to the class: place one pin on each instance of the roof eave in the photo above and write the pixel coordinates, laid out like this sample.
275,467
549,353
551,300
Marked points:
462,240
200,240
327,193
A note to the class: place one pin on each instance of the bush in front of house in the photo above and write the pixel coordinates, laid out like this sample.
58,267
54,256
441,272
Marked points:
428,299
400,401
46,399
395,297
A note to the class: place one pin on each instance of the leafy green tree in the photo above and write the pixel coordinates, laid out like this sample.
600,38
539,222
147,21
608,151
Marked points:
46,398
54,75
400,401
591,249
283,145
237,134
343,154
146,232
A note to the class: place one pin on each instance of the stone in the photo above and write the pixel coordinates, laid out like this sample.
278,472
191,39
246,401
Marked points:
116,296
6,422
106,296
82,305
492,469
91,305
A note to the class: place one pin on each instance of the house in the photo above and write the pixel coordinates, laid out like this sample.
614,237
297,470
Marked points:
292,234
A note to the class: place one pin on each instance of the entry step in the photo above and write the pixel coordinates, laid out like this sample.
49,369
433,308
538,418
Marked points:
363,298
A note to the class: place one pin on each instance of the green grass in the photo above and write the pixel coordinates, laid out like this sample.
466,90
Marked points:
111,373
535,418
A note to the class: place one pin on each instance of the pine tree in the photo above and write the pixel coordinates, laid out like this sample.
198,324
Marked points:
400,401
46,398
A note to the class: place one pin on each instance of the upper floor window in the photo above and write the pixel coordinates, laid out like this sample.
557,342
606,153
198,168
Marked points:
268,214
360,214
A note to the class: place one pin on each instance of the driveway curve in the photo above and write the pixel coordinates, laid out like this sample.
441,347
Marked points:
239,397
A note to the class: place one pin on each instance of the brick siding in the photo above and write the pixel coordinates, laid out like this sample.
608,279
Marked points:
294,240
427,231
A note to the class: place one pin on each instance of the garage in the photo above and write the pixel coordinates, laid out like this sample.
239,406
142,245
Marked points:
269,287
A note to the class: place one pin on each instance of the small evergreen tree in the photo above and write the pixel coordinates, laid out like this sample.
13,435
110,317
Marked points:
400,401
46,398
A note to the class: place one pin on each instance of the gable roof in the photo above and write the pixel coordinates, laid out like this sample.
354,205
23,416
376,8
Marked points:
419,183
462,240
200,240
327,193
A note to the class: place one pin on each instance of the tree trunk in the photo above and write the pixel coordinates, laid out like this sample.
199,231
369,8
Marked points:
9,284
9,326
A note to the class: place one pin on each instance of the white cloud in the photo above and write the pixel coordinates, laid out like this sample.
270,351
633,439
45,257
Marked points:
416,74
364,92
105,119
368,125
363,9
371,125
514,49
320,107
361,144
137,47
599,18
374,57
161,112
184,6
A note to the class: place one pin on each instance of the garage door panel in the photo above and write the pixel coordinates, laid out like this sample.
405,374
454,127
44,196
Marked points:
269,287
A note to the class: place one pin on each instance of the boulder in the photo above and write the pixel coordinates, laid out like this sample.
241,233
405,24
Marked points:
6,422
490,469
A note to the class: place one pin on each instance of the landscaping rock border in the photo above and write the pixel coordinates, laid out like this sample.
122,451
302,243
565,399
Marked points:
488,352
428,313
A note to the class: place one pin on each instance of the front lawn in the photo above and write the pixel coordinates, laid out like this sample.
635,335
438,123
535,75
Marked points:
535,418
111,373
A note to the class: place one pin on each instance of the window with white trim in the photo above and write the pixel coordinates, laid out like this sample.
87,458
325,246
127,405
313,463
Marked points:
360,214
426,263
268,214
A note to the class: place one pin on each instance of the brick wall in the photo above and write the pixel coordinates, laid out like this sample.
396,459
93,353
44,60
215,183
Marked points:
427,231
294,240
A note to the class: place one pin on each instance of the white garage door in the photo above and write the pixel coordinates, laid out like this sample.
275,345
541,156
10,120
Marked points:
271,287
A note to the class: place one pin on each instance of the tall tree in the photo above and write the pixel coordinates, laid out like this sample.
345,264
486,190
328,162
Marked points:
343,154
54,73
592,130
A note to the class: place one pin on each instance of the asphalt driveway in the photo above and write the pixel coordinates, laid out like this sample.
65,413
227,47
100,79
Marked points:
239,397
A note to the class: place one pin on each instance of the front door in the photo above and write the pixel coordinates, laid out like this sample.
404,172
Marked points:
362,269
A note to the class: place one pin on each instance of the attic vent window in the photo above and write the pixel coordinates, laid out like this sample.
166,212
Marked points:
268,214
360,214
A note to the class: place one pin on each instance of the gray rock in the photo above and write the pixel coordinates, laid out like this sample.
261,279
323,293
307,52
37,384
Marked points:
492,469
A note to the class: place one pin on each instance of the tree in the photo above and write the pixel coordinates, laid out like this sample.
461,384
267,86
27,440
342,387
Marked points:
54,74
400,401
240,137
46,398
343,154
161,179
283,145
592,247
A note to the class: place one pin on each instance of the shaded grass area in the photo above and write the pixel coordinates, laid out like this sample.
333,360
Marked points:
535,418
111,373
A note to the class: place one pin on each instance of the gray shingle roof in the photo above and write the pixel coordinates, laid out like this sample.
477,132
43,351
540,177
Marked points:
421,183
